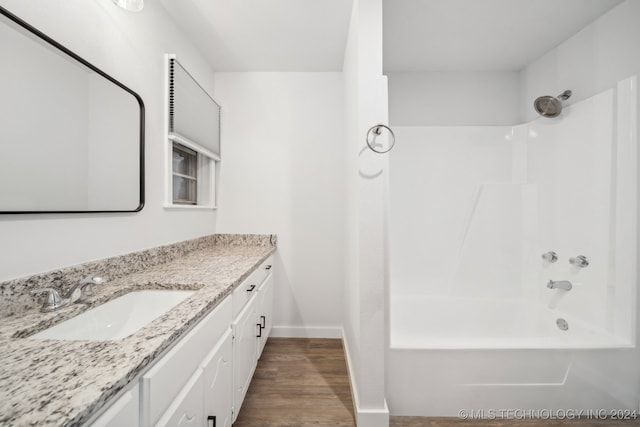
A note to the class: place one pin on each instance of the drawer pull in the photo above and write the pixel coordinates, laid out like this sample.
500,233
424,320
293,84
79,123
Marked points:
264,321
259,330
211,418
268,267
251,288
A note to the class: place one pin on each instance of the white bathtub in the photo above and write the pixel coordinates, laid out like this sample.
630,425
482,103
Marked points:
446,355
421,322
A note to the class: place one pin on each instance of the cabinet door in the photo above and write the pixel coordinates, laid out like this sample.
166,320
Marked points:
245,330
188,407
168,376
218,382
265,312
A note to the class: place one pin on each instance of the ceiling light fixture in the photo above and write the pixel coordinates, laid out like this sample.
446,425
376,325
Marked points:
130,5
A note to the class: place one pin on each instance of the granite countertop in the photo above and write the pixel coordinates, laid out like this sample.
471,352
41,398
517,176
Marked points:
50,382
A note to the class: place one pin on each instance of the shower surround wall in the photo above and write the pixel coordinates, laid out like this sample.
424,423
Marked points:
512,357
511,194
490,200
485,203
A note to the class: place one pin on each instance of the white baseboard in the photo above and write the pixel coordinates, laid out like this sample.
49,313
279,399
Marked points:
372,417
306,332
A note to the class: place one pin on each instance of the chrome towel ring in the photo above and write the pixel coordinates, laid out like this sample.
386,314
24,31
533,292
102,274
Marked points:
378,147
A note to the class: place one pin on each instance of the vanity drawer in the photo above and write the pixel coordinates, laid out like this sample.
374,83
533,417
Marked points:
263,271
249,286
167,377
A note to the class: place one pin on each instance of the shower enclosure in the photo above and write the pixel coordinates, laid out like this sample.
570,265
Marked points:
512,247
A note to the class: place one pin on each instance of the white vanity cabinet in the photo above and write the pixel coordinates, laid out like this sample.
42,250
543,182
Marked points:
248,331
265,312
203,379
171,379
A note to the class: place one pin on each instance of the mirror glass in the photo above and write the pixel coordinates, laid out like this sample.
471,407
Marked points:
72,136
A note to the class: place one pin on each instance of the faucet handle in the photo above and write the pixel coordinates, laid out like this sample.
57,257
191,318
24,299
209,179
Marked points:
579,261
550,257
86,286
86,291
92,279
52,300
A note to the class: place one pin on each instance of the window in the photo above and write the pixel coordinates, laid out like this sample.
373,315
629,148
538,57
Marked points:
185,178
193,140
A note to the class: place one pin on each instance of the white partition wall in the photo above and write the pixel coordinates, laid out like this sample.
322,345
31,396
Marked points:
366,182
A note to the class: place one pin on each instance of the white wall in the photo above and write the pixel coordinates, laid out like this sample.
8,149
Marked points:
282,172
351,302
129,47
453,98
591,61
366,180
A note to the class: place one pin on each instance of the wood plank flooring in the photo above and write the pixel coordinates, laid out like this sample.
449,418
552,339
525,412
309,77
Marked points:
304,382
299,382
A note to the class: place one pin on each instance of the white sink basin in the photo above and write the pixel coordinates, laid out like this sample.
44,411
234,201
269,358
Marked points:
117,318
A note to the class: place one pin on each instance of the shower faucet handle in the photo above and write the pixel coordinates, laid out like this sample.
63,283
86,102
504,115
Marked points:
579,261
550,256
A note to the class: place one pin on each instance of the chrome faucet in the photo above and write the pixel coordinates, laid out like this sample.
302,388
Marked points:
53,301
86,287
560,284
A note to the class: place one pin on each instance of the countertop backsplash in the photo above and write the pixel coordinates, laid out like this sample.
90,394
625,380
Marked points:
16,295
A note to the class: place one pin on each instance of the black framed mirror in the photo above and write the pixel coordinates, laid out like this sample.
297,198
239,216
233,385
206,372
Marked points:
72,137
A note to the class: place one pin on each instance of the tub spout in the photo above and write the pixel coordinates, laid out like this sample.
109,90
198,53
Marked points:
560,284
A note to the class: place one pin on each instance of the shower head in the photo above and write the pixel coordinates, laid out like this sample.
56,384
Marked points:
551,106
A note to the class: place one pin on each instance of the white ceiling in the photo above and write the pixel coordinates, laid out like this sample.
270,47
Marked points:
439,35
419,35
266,35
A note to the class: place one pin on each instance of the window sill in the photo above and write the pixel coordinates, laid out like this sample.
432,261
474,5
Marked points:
193,207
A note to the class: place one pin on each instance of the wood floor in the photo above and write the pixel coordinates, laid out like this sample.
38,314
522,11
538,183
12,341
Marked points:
304,382
299,382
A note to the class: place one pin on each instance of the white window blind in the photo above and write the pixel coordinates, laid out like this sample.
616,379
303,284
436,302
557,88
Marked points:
193,133
194,117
